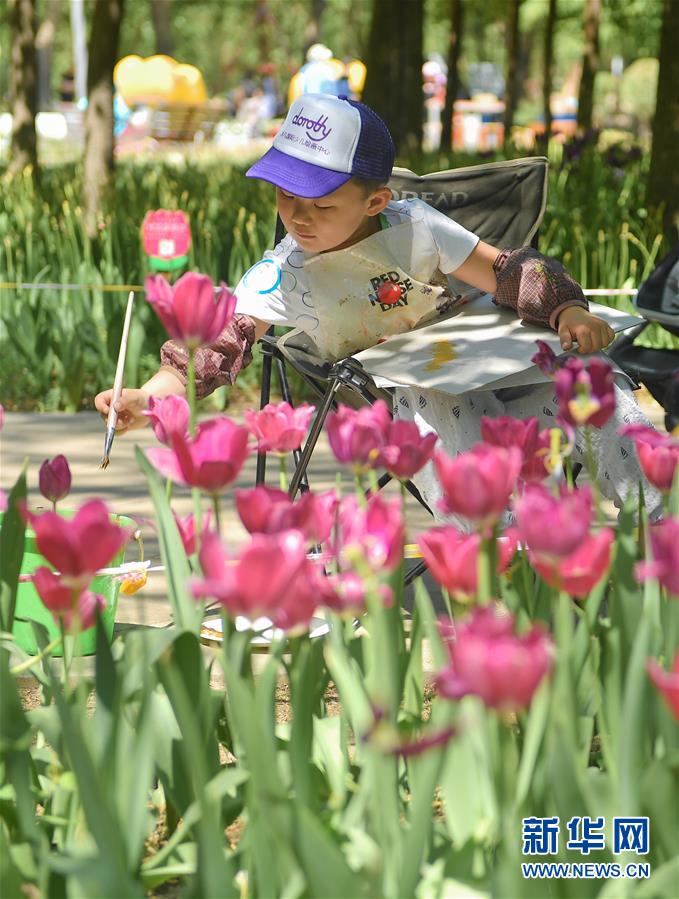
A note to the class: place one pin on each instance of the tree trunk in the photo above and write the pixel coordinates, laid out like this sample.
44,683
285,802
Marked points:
393,86
512,85
453,79
23,86
44,46
160,14
103,49
547,68
312,29
663,182
590,64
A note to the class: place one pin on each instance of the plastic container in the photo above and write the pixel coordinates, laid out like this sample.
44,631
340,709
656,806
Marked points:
29,606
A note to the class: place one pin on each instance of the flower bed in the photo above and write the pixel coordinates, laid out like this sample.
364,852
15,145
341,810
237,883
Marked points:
549,732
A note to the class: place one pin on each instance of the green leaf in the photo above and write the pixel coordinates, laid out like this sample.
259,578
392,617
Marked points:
11,551
323,862
186,612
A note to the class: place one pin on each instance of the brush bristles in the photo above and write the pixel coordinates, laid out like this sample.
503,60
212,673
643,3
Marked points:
104,462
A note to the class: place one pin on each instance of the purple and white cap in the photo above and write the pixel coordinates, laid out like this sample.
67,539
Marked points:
323,141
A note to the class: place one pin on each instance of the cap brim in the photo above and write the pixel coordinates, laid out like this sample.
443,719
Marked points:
296,176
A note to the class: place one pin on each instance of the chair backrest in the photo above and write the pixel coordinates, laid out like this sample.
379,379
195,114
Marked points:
502,202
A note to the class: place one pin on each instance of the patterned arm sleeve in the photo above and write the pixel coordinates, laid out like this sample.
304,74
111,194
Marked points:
217,364
536,287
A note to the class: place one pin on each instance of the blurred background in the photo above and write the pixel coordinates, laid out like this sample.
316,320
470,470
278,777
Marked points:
112,108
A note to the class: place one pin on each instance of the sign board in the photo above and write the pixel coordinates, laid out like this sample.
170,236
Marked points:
166,236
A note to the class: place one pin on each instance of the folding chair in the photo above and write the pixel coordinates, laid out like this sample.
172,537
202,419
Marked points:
502,202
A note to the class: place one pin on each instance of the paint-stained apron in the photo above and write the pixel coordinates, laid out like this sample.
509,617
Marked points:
345,290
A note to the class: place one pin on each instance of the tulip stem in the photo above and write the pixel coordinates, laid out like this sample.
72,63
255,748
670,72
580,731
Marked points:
191,391
282,473
593,473
218,517
29,663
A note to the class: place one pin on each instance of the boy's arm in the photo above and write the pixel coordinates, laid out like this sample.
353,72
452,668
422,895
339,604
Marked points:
215,365
540,290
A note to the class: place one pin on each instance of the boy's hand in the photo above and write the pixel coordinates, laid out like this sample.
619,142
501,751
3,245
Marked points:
130,407
592,333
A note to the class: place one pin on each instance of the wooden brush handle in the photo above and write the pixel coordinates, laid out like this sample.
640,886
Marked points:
120,367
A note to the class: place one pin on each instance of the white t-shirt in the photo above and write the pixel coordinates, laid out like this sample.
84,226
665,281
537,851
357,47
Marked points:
276,289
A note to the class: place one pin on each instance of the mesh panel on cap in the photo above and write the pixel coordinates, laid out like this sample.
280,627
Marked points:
374,154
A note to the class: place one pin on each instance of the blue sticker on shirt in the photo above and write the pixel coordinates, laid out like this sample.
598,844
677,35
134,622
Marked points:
264,276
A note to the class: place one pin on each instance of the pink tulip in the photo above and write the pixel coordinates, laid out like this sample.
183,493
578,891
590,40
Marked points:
272,578
507,431
545,359
664,564
667,683
2,416
265,510
211,461
658,454
487,659
375,532
79,546
279,427
4,502
187,530
357,435
553,527
168,415
189,310
346,593
578,573
453,558
586,395
78,608
478,484
54,479
405,450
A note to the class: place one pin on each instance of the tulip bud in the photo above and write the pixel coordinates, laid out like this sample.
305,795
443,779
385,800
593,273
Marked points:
55,479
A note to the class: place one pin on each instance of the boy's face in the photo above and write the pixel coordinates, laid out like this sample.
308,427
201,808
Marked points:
332,222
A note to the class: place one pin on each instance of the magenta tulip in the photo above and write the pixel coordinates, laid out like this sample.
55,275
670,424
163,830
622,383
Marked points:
586,395
77,608
524,434
487,659
3,501
54,479
2,416
375,533
545,359
271,577
211,461
190,310
346,593
279,427
187,530
168,415
453,558
578,573
666,683
357,435
658,454
405,450
478,484
265,510
553,527
664,564
79,546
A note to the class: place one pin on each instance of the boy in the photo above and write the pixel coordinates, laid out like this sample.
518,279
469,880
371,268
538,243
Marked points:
346,237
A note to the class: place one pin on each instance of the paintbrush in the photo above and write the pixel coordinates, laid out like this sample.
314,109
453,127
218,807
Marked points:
112,419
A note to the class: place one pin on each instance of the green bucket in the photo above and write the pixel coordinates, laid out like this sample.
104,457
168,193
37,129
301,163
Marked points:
29,606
